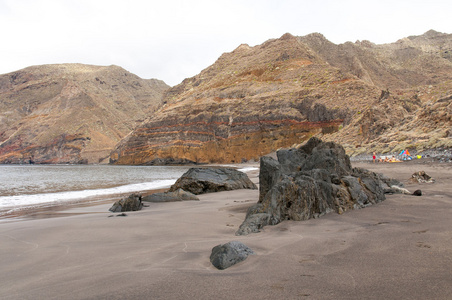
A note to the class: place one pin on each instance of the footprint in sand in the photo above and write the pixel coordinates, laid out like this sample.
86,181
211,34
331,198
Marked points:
423,245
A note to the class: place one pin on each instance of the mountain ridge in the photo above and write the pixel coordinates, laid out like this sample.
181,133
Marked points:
254,100
71,113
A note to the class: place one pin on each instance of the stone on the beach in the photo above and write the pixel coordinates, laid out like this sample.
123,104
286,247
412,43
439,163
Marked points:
178,195
131,203
417,193
310,181
209,180
226,255
421,177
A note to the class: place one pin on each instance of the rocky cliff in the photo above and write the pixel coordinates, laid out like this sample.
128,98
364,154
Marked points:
255,100
71,113
250,102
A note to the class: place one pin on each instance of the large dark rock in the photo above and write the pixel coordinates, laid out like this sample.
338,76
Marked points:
131,203
179,195
226,255
310,181
209,180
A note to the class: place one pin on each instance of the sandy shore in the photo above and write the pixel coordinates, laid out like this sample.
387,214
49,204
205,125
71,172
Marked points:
398,249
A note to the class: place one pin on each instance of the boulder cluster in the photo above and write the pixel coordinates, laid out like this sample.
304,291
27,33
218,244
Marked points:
193,182
310,181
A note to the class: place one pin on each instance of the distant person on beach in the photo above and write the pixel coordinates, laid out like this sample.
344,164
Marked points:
374,157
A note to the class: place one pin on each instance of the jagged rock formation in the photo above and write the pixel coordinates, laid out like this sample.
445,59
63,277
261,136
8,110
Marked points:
71,113
130,203
256,100
211,180
310,181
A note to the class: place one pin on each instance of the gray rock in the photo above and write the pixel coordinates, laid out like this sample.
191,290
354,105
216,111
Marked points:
226,255
209,180
131,203
309,182
178,195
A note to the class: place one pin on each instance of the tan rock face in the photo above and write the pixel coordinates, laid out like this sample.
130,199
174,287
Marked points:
71,113
255,100
252,101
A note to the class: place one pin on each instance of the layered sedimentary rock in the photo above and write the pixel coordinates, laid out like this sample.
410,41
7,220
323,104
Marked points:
255,100
252,101
71,113
310,181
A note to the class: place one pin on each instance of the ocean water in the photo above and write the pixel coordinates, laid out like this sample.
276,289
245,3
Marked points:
25,187
30,186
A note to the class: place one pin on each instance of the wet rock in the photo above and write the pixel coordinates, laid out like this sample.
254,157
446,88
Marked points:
209,180
178,195
227,255
310,181
131,203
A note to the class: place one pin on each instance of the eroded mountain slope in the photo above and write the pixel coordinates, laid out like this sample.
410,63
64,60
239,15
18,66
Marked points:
71,113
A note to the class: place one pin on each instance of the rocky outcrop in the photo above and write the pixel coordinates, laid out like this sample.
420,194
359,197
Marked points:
310,181
210,180
71,113
229,254
177,195
418,119
130,203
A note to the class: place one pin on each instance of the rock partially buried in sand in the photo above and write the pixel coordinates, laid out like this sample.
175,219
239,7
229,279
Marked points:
178,195
210,180
131,203
310,181
417,193
226,255
421,177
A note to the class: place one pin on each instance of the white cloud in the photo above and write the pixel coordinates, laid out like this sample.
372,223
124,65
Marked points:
175,39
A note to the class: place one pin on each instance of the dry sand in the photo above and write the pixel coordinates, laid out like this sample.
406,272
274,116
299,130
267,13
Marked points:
398,249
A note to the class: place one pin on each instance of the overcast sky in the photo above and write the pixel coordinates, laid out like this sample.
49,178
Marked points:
174,39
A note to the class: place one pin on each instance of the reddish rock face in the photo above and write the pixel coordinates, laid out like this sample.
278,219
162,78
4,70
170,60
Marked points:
252,101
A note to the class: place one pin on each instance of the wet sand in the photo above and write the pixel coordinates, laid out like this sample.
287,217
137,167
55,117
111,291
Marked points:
398,249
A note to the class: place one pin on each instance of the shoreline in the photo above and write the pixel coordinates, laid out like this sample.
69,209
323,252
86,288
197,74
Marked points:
51,210
60,210
48,210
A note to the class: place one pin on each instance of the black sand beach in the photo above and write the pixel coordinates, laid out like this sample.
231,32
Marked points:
398,249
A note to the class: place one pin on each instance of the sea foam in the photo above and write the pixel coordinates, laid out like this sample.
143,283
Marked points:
61,197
